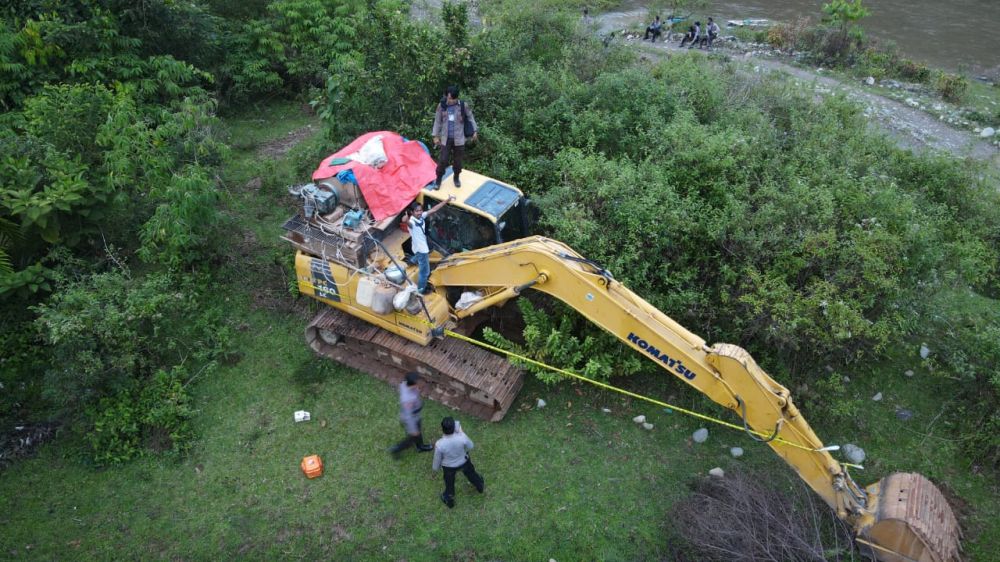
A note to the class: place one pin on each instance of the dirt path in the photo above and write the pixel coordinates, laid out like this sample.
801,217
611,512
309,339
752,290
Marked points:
279,147
910,126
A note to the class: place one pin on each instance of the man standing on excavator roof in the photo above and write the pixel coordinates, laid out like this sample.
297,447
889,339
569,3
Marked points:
453,125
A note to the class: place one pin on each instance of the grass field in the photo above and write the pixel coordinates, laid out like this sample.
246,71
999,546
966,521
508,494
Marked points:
568,482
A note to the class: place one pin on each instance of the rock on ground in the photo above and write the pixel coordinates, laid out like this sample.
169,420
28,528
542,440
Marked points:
717,472
854,453
700,436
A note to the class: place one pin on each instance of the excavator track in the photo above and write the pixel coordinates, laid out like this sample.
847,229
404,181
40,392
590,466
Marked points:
459,374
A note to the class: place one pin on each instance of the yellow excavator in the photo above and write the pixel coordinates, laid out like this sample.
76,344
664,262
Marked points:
482,257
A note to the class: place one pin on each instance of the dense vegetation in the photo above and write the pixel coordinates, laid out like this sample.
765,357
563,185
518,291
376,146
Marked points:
738,205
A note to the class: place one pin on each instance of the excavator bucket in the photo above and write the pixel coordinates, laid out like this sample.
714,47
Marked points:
913,521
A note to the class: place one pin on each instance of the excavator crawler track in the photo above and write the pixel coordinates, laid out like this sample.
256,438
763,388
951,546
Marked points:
459,374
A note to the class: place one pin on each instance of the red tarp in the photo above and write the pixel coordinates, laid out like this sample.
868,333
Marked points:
389,189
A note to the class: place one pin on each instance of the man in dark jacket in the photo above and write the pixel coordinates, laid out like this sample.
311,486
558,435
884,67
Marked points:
453,125
654,29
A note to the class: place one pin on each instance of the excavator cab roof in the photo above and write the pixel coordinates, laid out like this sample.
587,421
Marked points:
479,194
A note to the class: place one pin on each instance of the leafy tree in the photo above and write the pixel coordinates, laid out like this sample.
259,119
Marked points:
395,74
845,13
83,154
842,15
87,44
289,49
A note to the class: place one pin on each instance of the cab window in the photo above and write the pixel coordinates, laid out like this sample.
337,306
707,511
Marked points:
457,230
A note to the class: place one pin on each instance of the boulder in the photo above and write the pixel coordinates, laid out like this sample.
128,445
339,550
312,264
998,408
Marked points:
700,436
639,419
540,404
988,132
870,80
877,397
736,452
647,426
924,351
717,472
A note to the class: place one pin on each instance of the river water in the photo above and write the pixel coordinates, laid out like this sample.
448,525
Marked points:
956,35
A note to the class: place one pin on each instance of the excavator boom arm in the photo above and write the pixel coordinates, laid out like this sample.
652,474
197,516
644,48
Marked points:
725,373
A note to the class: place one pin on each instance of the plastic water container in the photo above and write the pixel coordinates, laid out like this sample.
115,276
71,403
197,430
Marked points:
366,292
312,466
382,301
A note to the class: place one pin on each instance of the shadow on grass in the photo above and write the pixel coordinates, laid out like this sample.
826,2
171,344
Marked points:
311,375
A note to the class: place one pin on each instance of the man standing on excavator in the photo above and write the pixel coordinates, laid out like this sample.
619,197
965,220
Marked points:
418,237
453,125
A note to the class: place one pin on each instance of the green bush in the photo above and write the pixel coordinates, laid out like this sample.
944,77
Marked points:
152,418
120,348
877,63
952,87
914,71
966,355
551,337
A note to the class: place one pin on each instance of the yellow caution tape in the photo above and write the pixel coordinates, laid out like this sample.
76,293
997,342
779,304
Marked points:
606,386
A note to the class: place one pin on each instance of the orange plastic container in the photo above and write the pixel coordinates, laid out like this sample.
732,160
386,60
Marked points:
312,466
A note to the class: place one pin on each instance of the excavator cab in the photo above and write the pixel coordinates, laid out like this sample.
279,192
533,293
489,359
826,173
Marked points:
485,212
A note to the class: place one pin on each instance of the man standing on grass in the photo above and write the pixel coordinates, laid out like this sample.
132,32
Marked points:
452,453
409,416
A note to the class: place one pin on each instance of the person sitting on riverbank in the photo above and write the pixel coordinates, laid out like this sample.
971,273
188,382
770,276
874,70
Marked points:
691,36
710,34
654,29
